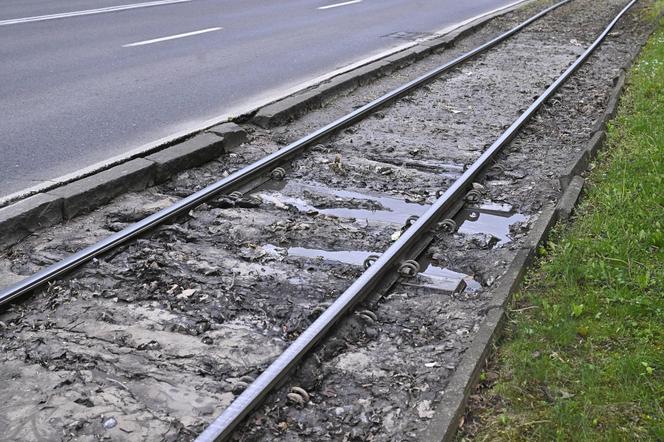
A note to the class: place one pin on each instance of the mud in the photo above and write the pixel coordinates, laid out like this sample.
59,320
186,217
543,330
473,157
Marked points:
152,341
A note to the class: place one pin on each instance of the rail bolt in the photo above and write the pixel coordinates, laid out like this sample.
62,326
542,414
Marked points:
301,392
474,196
370,260
448,225
497,169
409,222
409,268
278,174
298,396
296,399
368,316
320,308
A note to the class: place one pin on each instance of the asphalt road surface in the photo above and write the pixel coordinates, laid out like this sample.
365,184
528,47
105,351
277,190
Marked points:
83,81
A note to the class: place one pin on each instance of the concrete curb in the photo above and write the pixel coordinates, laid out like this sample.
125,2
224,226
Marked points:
81,196
63,203
286,110
21,219
198,150
450,410
570,198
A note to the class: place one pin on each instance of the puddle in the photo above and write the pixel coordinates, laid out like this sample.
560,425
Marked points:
482,221
353,257
438,278
394,210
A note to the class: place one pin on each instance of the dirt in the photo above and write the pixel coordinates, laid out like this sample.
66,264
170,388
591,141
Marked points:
152,341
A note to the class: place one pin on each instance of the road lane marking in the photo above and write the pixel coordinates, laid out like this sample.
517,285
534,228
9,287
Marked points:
15,21
336,5
170,37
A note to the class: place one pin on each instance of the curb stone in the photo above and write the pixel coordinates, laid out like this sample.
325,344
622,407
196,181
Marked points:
193,152
286,110
23,218
450,410
583,158
197,150
612,106
91,192
595,143
63,203
582,161
233,134
570,198
579,164
612,102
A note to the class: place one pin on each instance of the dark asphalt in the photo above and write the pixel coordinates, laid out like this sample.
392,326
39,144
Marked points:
71,95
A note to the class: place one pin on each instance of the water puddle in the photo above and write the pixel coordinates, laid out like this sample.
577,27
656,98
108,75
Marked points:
491,221
353,257
432,277
392,210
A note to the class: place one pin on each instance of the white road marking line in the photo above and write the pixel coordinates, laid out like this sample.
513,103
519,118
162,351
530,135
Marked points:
16,21
336,5
170,37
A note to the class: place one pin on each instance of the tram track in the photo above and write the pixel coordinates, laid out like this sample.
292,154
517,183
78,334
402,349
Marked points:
302,198
268,164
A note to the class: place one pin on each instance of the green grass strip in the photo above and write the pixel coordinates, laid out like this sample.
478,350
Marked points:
583,356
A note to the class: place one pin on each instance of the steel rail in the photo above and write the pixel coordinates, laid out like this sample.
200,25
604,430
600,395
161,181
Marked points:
241,176
221,428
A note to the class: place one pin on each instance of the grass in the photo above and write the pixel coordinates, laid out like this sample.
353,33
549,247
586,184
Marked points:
583,354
